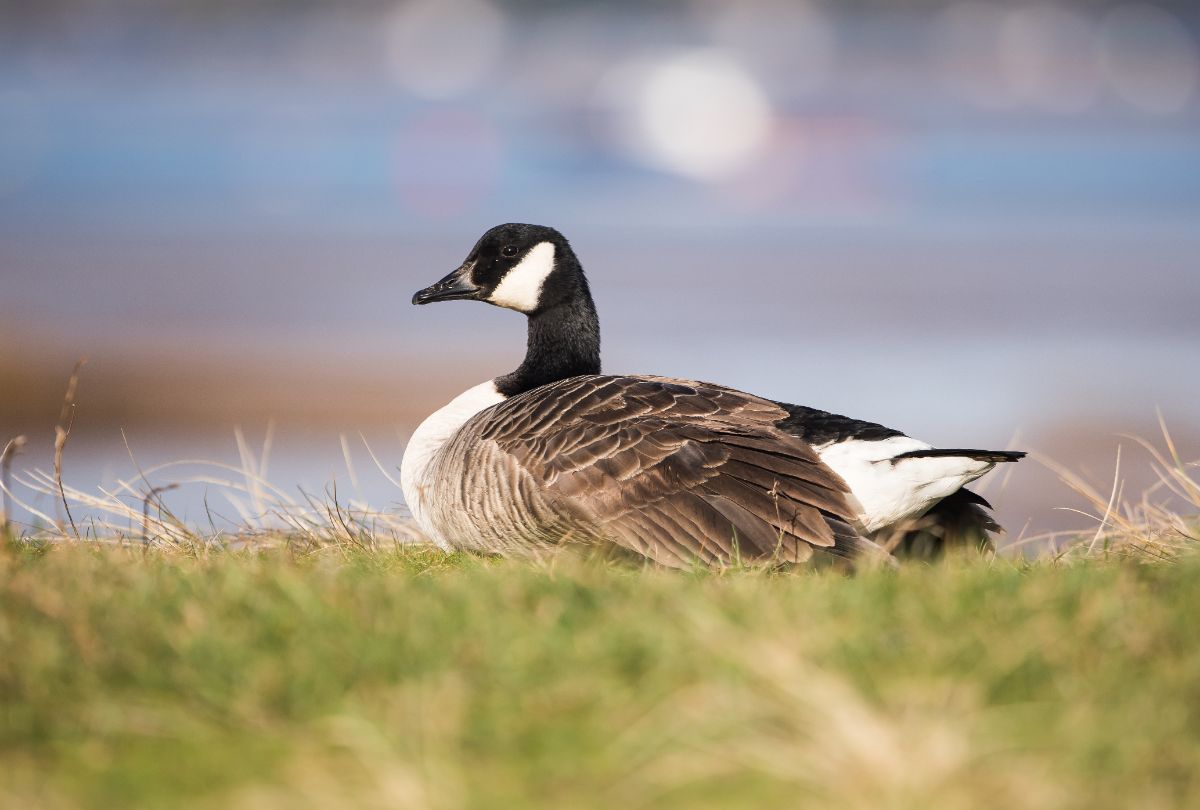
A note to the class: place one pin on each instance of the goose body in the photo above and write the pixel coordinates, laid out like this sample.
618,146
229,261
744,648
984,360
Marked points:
678,471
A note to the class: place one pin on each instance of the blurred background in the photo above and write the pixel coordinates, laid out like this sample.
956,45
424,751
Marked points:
973,221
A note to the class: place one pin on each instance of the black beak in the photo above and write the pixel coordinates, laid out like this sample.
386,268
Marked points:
456,286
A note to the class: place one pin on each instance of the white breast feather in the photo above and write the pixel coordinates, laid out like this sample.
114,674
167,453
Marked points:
428,439
891,492
521,287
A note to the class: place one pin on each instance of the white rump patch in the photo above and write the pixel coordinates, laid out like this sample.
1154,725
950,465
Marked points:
894,491
429,437
521,287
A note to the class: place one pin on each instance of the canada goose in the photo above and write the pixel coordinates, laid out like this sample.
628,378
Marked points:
676,470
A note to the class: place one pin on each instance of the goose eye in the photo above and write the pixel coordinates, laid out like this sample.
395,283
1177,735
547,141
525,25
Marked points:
509,251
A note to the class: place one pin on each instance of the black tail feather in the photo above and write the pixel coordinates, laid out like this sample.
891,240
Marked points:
960,521
995,456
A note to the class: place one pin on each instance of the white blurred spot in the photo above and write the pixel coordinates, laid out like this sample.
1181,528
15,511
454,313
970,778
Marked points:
1149,58
1048,54
441,48
788,39
698,113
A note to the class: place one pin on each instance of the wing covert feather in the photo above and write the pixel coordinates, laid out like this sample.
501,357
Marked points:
678,471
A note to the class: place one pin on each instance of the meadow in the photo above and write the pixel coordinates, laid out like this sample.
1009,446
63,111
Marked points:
334,663
402,677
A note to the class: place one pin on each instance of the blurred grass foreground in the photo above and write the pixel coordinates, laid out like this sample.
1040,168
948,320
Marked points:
402,678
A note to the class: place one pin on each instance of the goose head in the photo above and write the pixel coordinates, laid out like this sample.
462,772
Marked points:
527,268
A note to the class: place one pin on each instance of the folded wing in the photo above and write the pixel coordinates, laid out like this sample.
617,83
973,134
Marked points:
678,471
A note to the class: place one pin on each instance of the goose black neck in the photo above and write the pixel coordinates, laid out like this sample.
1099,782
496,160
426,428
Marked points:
563,341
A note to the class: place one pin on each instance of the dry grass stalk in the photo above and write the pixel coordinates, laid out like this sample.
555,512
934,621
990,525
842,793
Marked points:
62,431
153,494
264,516
13,448
1162,525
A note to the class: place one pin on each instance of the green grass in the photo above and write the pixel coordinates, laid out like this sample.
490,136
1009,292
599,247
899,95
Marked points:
359,678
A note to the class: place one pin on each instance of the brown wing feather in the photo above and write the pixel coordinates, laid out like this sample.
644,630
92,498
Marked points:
677,471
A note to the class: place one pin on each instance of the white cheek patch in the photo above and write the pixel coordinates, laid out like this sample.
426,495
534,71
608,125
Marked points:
521,287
